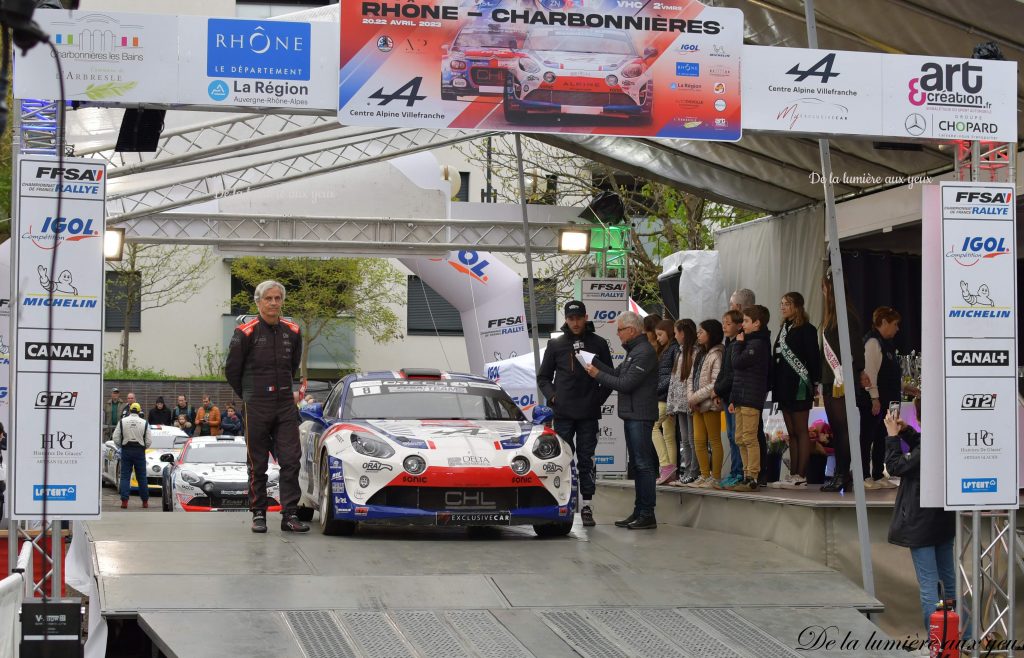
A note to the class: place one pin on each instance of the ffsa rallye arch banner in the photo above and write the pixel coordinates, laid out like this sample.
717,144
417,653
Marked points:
609,67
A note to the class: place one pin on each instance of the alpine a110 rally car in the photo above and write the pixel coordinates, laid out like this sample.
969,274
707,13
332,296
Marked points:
475,62
423,447
164,439
577,71
210,475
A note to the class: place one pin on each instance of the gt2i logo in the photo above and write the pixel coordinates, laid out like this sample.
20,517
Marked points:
470,264
377,466
978,402
409,92
56,399
822,69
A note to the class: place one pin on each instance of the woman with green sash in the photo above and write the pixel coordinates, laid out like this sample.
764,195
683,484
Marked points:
796,371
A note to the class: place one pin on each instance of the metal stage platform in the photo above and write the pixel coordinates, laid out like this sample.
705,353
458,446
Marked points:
203,585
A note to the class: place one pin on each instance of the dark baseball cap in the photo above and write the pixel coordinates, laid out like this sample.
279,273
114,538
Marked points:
115,390
575,308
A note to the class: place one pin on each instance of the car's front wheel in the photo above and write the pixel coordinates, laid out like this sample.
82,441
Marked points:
553,529
328,524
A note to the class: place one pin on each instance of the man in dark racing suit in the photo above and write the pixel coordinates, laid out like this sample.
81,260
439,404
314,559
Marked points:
262,357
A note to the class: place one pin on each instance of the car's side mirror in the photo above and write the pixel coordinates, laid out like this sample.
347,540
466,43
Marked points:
542,414
167,457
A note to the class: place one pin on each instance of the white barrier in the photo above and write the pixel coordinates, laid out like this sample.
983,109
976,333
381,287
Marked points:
13,590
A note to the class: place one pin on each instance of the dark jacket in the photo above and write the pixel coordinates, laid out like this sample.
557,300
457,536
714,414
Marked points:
160,416
751,367
229,426
636,380
189,411
832,336
803,340
568,389
723,383
914,526
262,358
890,377
665,363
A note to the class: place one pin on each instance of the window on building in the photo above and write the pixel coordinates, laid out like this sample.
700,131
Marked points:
116,300
463,194
430,314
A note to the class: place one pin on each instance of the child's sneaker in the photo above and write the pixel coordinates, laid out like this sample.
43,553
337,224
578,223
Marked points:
795,482
781,484
871,484
708,483
886,483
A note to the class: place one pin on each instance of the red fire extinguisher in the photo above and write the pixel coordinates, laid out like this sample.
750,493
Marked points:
944,628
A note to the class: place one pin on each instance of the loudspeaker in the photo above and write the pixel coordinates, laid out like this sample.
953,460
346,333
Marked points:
140,130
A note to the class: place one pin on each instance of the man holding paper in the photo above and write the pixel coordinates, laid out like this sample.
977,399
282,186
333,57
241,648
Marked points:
574,396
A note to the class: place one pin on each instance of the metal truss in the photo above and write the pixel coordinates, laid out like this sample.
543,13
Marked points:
986,593
988,162
281,168
38,127
281,235
992,545
210,139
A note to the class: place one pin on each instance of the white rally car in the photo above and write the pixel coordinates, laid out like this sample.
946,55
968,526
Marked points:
210,475
580,71
166,439
422,447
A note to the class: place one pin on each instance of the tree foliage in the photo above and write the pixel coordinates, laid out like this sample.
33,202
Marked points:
664,219
320,291
150,276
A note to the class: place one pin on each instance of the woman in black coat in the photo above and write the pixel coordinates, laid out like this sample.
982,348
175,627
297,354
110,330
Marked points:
796,371
927,531
160,414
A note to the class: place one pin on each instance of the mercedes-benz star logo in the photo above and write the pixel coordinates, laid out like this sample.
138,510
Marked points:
915,124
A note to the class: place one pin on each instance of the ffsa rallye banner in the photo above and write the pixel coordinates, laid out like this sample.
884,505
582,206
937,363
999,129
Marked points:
609,67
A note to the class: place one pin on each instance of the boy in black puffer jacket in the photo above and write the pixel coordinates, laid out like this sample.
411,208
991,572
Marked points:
751,366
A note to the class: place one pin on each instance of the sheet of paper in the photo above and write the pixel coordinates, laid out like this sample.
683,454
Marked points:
585,357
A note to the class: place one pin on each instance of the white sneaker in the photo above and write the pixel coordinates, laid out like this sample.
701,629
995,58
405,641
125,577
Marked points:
781,484
886,483
794,482
871,484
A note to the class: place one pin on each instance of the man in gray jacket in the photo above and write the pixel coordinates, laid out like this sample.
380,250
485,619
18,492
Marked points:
636,380
131,436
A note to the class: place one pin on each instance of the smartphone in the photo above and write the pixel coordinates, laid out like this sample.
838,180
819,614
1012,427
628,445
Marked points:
894,409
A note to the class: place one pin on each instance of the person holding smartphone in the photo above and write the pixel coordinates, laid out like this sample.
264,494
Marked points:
927,531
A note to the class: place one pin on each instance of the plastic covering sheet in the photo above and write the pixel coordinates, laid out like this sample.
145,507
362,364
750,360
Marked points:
79,573
12,592
702,294
776,255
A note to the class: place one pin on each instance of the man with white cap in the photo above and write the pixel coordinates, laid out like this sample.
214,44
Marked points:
131,436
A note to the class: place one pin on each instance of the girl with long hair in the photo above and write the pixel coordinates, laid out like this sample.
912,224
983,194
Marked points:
664,434
678,400
833,388
796,372
705,409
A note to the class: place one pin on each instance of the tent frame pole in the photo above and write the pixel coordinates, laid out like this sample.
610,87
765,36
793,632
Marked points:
529,262
850,378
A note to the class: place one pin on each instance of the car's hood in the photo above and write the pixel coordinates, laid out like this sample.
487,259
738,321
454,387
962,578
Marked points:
228,472
582,62
456,436
153,454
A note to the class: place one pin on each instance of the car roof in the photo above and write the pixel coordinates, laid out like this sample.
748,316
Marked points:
206,440
411,373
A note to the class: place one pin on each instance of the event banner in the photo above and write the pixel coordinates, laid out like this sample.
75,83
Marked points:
606,67
605,300
799,90
106,58
59,423
235,62
980,306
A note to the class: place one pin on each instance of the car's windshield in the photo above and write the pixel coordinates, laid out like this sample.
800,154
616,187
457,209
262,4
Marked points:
164,441
429,399
580,41
214,453
488,39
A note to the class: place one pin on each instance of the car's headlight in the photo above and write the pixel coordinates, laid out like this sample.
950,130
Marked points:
633,70
547,447
549,77
371,446
191,478
528,65
612,81
414,464
520,465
